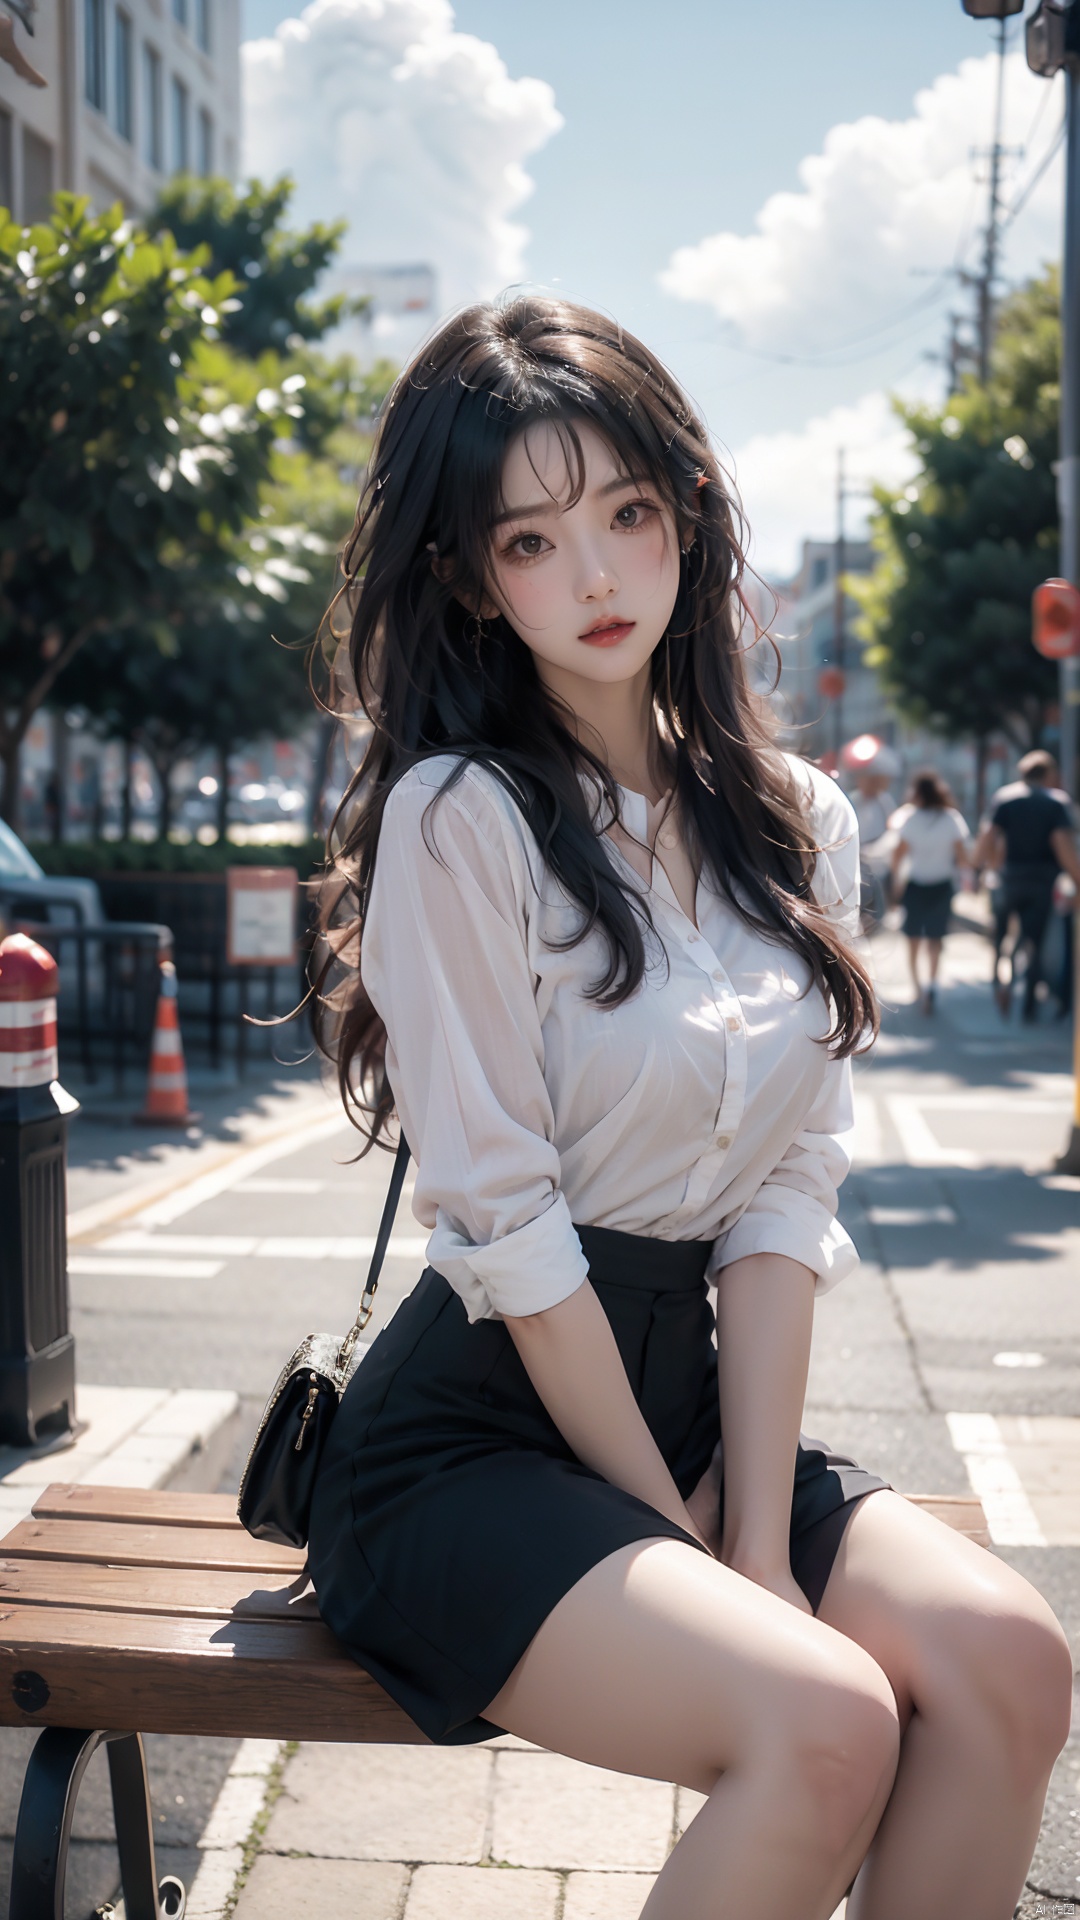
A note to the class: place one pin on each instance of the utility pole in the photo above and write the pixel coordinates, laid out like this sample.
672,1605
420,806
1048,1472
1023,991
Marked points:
985,280
1053,46
839,607
1069,468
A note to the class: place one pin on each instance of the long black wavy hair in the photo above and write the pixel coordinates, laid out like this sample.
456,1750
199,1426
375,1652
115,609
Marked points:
418,560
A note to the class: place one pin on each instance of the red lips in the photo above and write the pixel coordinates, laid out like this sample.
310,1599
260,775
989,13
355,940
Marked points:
607,633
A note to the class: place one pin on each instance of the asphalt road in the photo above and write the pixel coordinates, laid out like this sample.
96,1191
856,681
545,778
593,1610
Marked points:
969,1261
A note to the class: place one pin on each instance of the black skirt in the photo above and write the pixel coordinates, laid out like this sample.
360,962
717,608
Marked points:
450,1516
927,905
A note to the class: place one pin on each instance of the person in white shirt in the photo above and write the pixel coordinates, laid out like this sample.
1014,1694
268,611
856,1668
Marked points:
932,842
588,933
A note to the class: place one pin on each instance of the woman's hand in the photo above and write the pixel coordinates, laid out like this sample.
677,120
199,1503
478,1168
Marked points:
703,1506
778,1580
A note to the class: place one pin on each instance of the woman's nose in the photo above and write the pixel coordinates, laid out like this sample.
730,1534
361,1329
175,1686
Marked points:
597,579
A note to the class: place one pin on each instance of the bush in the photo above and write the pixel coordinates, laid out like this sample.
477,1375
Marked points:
89,858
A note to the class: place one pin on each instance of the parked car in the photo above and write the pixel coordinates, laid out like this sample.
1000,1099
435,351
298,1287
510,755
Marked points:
27,892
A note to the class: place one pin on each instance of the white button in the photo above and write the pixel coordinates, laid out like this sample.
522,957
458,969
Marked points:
718,977
734,1023
723,1139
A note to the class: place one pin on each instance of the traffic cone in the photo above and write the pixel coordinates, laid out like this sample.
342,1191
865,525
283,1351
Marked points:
166,1087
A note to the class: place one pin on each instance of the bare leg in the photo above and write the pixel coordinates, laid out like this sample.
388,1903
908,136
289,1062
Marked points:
913,963
933,953
983,1680
662,1662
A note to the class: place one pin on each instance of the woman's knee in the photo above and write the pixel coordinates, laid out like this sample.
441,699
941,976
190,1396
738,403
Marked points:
1012,1665
837,1745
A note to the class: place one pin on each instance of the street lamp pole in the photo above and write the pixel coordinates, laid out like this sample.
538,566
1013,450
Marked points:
1069,468
1053,46
839,607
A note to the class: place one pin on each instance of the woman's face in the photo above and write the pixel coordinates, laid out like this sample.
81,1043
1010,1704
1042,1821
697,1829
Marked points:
590,587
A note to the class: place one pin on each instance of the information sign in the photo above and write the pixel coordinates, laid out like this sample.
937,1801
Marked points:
261,920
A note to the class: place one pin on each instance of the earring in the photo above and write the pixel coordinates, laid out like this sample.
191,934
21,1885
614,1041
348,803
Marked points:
478,633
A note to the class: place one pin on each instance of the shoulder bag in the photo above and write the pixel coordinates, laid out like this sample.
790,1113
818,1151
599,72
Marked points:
274,1501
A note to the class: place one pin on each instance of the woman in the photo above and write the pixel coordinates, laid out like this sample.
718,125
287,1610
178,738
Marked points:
933,842
605,980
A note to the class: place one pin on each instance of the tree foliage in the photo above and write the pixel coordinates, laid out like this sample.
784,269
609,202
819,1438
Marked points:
275,269
202,471
947,613
127,464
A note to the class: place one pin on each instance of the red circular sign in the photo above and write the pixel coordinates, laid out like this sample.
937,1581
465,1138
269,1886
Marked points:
831,683
1055,620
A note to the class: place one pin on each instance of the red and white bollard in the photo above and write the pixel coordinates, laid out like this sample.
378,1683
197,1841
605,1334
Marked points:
37,1350
28,984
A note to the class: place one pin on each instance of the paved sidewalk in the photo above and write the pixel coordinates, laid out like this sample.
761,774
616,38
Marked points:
498,1832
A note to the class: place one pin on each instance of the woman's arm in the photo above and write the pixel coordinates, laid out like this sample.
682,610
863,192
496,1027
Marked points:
570,1355
765,1307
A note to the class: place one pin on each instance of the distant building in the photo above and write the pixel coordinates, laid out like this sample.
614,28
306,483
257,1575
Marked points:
818,718
136,90
815,721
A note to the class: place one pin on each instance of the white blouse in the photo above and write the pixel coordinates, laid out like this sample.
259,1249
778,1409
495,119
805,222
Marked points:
702,1108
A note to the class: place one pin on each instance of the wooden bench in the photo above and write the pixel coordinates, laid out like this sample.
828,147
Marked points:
124,1613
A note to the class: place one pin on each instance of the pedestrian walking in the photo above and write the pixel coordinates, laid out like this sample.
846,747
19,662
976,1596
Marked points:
1028,836
590,936
931,843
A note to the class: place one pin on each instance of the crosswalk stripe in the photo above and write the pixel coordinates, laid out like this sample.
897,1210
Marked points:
1010,1515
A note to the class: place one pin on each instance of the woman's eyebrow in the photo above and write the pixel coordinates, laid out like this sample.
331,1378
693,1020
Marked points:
549,506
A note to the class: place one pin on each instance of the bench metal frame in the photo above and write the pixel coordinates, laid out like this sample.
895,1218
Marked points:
57,1767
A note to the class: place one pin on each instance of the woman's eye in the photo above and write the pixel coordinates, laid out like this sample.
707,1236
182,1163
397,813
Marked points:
527,546
633,513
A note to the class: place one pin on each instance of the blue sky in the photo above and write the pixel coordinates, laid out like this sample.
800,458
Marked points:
681,122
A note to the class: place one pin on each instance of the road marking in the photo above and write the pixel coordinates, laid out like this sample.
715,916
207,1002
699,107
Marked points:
911,1216
207,1186
141,1193
280,1185
146,1269
919,1145
240,1246
1010,1515
1019,1359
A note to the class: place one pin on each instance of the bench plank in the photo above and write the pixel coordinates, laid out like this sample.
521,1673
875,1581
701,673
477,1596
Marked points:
62,1502
139,1673
164,1590
963,1512
112,1543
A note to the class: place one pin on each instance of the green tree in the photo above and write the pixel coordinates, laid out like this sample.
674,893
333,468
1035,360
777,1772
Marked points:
947,612
128,467
275,269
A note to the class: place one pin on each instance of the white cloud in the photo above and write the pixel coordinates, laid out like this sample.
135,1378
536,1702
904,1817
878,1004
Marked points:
884,199
416,133
787,480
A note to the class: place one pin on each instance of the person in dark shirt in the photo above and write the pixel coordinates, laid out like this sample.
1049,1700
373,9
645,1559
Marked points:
1028,834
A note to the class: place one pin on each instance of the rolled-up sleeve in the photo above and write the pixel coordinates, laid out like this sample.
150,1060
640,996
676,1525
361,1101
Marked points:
445,960
793,1211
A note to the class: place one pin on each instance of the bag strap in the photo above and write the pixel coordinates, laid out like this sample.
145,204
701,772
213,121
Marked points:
382,1241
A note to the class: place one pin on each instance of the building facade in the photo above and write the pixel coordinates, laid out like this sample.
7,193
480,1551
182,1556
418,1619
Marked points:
135,90
817,712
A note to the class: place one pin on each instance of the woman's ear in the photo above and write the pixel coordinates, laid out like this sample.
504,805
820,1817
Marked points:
442,566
